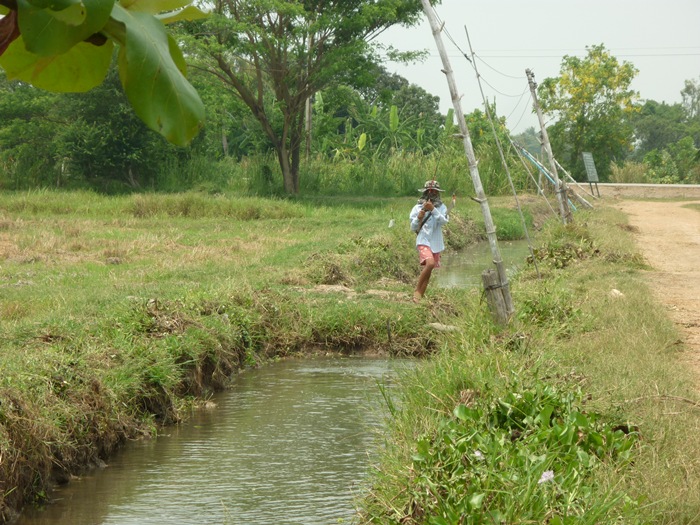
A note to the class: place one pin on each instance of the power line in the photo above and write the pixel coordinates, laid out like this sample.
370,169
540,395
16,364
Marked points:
496,70
497,91
662,55
480,76
655,48
521,115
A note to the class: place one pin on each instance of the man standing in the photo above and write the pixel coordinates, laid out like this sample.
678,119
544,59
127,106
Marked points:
427,218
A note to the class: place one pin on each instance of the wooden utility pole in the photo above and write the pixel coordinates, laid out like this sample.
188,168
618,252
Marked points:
559,185
501,286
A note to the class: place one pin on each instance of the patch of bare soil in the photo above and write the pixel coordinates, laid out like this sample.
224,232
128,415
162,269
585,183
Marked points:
668,235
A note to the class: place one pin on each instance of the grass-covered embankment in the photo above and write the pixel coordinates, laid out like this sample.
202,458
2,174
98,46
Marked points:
581,411
118,313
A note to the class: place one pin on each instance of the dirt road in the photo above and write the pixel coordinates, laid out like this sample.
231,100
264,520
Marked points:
669,238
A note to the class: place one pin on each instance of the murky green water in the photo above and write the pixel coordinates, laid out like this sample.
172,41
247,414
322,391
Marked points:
289,444
463,269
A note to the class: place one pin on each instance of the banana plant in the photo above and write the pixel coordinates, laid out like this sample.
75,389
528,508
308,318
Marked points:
67,45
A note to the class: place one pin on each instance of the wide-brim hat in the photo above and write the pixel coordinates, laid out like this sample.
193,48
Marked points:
431,185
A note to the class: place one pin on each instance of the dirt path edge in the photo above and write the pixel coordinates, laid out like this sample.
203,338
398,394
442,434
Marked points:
668,236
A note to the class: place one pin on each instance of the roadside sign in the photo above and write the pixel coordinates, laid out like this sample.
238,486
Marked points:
591,172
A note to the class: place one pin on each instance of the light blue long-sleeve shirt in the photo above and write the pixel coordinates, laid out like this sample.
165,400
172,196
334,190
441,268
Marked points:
431,233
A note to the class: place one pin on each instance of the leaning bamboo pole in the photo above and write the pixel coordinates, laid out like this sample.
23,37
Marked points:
559,185
502,282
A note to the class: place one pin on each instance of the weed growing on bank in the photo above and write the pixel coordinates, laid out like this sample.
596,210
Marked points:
512,459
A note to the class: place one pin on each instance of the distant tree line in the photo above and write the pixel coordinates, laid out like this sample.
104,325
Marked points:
370,131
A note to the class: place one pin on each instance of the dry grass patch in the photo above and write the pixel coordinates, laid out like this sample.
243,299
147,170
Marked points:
14,310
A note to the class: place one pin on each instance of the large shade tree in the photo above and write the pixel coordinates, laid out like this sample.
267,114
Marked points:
293,49
592,103
659,126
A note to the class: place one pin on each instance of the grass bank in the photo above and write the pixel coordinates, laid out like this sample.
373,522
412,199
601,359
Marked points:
581,411
117,314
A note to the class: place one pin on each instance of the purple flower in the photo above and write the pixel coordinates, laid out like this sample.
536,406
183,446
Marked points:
547,475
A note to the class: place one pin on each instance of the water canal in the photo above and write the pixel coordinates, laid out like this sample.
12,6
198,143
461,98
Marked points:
287,444
463,269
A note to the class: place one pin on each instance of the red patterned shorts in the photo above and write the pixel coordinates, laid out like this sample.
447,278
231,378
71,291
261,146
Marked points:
424,252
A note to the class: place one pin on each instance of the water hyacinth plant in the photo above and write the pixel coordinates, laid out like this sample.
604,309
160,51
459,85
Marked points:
527,456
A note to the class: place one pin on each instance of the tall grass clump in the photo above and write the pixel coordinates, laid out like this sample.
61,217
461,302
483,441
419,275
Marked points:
47,203
398,175
365,259
629,172
507,220
404,173
494,178
193,173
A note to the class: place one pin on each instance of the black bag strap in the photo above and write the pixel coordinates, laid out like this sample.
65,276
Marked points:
422,223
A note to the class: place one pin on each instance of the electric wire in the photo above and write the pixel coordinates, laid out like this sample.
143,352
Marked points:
498,143
540,191
503,158
583,55
496,70
522,115
517,104
480,76
499,92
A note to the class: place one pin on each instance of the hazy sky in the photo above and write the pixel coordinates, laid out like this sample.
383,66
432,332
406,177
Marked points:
660,37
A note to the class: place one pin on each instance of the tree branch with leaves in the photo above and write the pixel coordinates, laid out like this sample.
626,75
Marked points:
67,45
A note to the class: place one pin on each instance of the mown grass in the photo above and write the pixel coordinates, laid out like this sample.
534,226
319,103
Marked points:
581,411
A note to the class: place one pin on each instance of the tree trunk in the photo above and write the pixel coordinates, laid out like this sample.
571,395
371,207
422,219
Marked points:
290,180
224,141
288,143
296,140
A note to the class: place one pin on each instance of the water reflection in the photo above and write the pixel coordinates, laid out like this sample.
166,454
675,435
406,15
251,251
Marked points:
287,445
462,269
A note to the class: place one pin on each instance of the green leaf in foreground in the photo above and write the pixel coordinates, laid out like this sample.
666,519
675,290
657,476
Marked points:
80,69
48,33
151,69
153,6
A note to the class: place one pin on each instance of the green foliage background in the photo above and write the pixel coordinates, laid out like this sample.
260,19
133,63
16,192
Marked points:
380,140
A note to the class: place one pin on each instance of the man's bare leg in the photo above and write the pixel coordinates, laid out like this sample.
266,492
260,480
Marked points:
424,279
